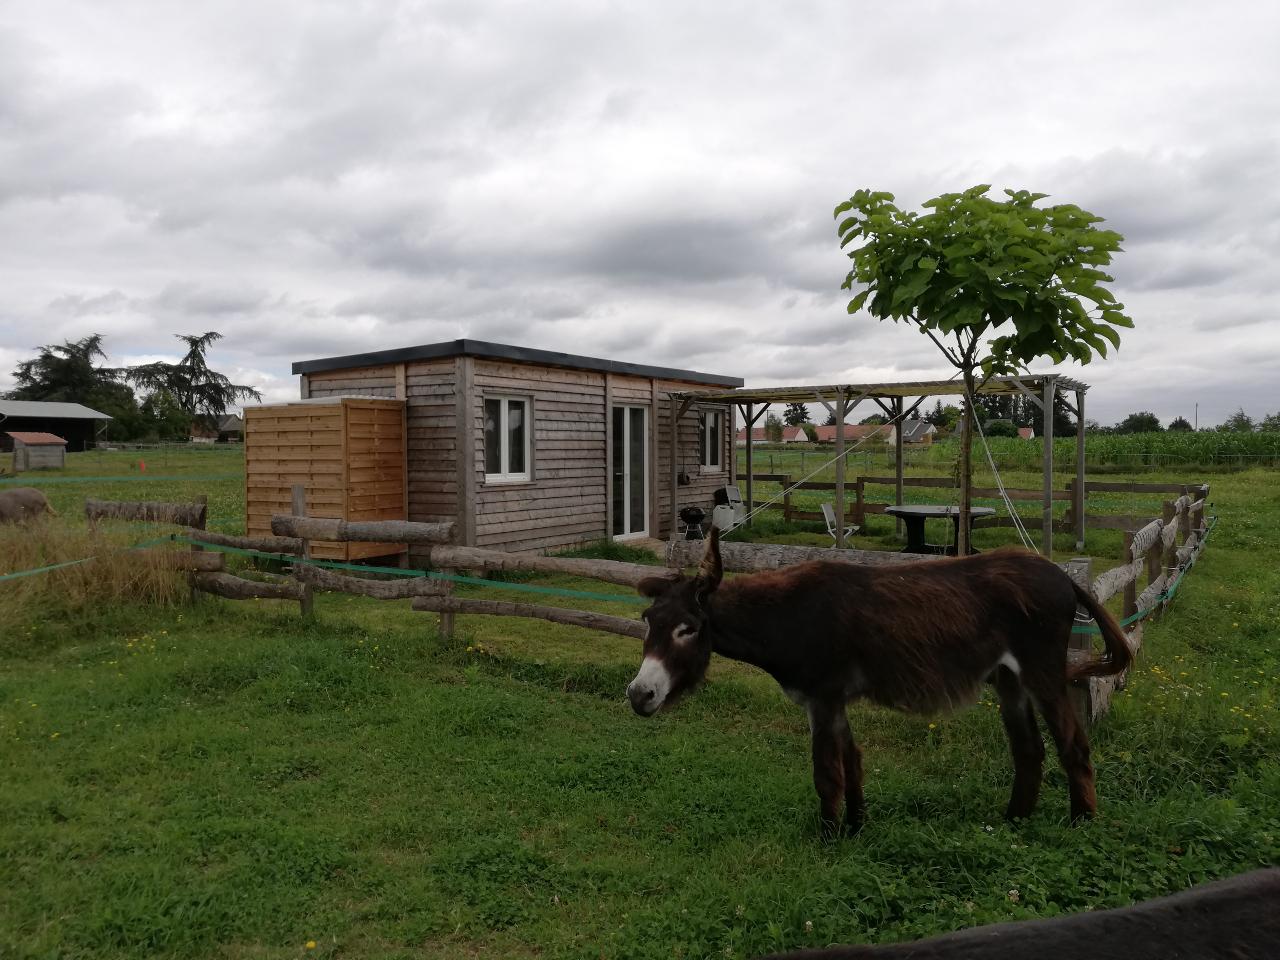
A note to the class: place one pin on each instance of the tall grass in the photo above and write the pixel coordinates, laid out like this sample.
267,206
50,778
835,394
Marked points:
113,574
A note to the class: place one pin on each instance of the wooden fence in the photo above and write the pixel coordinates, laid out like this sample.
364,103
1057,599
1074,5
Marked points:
1161,549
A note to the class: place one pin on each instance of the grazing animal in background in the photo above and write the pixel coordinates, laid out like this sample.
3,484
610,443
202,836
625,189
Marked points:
1234,919
23,503
918,637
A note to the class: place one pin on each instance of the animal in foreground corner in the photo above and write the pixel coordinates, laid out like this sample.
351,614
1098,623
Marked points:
1234,919
23,503
918,637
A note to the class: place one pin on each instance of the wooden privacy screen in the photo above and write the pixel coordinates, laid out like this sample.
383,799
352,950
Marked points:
349,454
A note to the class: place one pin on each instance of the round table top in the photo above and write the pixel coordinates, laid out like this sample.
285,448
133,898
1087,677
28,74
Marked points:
934,510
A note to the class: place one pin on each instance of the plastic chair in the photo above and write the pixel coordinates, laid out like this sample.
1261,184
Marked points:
829,514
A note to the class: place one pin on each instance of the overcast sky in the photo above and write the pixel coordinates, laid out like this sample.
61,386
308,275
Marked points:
651,182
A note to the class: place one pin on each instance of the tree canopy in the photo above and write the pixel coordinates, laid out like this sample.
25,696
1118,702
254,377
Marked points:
1179,425
795,414
1238,422
197,390
995,284
1144,422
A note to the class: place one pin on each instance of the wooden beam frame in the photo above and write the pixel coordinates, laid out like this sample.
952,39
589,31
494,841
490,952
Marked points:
1079,500
841,413
1046,407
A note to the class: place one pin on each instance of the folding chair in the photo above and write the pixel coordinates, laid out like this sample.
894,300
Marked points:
829,514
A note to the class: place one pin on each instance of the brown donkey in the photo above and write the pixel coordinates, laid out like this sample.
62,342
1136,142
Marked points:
917,637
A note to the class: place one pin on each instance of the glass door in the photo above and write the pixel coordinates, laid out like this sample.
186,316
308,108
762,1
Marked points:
629,483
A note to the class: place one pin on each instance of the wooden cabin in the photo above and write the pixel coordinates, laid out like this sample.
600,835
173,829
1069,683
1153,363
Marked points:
530,450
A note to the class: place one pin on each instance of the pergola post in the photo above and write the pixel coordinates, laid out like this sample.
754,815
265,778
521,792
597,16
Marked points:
674,441
898,403
842,401
1078,500
751,500
1047,435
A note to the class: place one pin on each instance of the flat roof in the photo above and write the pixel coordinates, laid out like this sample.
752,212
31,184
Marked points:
1000,386
505,351
49,409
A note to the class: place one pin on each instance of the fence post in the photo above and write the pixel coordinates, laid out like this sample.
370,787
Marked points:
859,503
446,619
1080,569
786,498
201,524
1130,606
300,510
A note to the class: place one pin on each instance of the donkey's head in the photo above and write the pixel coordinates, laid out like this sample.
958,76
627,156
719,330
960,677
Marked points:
677,648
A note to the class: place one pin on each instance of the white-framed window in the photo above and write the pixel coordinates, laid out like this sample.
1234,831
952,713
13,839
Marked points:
507,434
711,439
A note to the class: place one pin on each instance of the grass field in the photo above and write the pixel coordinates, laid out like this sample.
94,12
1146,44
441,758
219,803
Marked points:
223,780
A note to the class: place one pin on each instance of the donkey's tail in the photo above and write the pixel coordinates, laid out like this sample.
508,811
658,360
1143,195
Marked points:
1118,657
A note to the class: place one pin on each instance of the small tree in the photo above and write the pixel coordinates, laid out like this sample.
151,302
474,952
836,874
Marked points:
810,432
995,284
1000,428
1238,422
773,428
830,421
1144,422
1270,423
875,420
795,414
1179,425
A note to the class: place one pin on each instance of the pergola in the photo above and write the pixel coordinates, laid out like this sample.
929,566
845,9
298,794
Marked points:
841,399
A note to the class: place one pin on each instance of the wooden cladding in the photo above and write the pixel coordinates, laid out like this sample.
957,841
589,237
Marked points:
349,454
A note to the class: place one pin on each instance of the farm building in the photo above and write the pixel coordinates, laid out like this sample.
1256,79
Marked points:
77,424
37,451
533,450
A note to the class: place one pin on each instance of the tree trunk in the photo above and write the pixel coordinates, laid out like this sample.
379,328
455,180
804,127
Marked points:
966,467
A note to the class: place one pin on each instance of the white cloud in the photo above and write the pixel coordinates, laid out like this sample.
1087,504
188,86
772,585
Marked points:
650,182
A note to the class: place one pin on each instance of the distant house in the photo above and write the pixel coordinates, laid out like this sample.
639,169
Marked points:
915,431
78,425
229,429
854,432
758,435
1027,433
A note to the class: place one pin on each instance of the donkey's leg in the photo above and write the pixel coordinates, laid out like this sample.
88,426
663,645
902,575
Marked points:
1024,741
1073,750
828,763
851,757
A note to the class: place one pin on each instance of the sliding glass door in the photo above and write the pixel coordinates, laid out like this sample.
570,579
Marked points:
629,483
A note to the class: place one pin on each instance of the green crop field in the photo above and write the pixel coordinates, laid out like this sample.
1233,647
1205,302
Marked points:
224,780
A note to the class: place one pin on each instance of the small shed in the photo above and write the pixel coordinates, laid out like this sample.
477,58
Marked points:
348,452
531,450
37,451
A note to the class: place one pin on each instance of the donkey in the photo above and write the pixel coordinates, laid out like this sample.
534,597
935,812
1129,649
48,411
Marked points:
1234,919
918,637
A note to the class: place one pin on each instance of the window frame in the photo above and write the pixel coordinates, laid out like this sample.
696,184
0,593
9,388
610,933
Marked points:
706,417
504,440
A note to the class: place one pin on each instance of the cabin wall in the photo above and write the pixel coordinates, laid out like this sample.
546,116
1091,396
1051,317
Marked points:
352,382
563,504
433,440
700,491
45,456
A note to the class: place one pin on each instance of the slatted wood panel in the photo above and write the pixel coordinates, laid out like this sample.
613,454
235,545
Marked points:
564,503
356,381
699,492
349,455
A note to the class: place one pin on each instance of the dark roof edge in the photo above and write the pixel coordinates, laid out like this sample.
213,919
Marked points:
503,351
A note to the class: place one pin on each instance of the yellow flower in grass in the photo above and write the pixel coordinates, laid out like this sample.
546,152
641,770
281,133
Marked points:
311,944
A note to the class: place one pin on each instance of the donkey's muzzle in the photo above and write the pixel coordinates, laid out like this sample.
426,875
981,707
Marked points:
644,700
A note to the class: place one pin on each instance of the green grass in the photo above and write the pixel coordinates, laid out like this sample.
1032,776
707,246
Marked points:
224,780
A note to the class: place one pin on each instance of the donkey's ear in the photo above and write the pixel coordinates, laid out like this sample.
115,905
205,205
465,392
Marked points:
654,587
710,571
